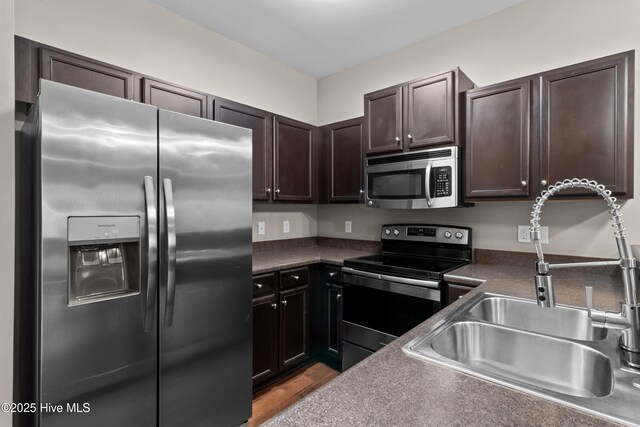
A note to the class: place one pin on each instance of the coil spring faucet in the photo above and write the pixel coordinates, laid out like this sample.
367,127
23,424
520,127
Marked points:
629,317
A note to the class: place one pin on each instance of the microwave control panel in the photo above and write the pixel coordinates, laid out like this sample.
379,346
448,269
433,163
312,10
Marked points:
442,178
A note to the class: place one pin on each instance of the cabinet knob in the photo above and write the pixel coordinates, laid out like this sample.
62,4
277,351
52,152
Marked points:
397,138
523,183
294,277
461,296
333,273
268,190
274,305
338,296
284,302
277,190
543,182
258,285
361,192
409,136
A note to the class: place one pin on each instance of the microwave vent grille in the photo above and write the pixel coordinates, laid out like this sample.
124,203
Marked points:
433,154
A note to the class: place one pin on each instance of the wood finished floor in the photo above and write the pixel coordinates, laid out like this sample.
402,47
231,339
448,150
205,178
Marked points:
284,393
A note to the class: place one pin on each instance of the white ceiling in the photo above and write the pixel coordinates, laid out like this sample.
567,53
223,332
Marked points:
321,37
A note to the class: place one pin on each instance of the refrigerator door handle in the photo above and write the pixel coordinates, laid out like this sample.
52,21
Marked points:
151,259
170,215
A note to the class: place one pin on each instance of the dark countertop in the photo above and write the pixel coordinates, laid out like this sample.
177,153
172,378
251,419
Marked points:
299,252
391,388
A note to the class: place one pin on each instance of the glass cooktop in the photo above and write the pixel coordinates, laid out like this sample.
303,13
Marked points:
405,265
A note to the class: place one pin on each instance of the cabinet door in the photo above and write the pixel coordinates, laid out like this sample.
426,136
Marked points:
174,98
498,141
293,161
455,292
430,111
85,73
260,122
383,120
294,339
334,320
586,124
265,337
344,161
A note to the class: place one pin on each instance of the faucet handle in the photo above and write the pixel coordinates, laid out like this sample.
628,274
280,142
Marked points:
589,292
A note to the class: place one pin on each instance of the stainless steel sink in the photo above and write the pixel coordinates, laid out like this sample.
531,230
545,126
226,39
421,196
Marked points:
563,321
546,362
563,358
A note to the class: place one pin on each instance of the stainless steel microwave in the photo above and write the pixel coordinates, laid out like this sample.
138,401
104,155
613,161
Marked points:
425,179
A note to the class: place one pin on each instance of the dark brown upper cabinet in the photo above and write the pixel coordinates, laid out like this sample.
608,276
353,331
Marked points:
85,73
383,120
416,115
261,124
342,162
572,122
174,98
587,124
294,172
498,140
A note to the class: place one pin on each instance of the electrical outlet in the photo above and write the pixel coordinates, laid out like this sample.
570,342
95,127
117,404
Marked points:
285,226
261,228
347,226
523,234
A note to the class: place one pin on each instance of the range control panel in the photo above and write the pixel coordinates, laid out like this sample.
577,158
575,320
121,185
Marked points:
426,233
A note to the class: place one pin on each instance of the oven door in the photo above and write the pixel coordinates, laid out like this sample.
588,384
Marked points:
378,308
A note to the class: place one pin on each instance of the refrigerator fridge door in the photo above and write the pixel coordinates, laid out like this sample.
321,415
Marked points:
95,358
205,272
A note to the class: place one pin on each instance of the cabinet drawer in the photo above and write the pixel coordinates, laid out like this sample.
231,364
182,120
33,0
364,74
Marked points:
264,284
294,277
332,274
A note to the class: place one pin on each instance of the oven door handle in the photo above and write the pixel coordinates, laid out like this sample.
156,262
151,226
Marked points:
406,281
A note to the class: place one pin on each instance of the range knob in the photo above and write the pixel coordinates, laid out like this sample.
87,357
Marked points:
396,233
459,235
447,234
387,231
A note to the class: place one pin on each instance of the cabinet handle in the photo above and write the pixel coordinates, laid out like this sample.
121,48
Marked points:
294,277
284,302
397,139
543,182
338,296
523,183
258,285
409,136
274,305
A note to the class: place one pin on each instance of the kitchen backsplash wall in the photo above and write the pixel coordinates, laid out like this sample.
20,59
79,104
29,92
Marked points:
530,37
302,219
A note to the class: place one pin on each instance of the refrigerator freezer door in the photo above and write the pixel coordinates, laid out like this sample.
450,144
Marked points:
205,335
95,359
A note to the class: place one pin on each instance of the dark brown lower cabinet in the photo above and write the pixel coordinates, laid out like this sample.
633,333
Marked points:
265,337
455,292
294,339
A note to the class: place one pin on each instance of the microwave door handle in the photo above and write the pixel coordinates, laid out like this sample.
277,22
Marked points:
151,258
427,185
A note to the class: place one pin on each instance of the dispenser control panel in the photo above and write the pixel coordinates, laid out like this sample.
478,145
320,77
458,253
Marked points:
98,229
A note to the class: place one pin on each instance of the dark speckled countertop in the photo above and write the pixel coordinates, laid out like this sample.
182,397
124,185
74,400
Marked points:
392,389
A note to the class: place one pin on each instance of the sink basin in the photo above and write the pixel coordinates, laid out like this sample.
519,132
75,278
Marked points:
553,353
562,321
546,362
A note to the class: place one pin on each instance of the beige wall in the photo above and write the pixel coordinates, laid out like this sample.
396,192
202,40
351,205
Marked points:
144,37
302,220
535,35
7,182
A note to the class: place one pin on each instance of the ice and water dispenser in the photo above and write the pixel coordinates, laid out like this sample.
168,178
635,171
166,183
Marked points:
104,258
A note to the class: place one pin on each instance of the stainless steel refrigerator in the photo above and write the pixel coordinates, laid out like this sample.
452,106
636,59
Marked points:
135,268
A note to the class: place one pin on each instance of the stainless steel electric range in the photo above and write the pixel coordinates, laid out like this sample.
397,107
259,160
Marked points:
386,295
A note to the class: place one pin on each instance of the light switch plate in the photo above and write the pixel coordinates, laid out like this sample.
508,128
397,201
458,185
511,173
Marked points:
347,226
285,226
